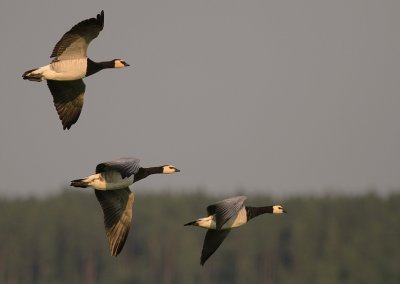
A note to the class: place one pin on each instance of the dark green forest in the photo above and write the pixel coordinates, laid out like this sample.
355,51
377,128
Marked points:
329,239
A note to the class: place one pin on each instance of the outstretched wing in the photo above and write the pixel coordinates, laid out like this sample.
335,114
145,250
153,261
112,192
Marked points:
117,208
125,166
225,209
75,42
212,241
68,100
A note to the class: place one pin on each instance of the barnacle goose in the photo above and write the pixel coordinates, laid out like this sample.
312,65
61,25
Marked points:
225,215
111,183
70,64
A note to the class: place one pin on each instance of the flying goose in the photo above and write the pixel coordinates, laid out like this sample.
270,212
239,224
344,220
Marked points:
225,215
70,64
111,183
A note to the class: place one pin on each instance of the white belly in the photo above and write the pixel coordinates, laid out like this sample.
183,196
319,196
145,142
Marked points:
108,181
64,70
236,221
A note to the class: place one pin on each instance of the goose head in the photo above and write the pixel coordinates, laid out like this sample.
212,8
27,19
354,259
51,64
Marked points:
119,63
278,209
169,169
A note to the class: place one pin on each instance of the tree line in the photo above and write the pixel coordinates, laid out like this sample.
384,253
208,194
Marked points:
329,239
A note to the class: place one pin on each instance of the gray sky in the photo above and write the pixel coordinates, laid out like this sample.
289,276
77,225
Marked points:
274,96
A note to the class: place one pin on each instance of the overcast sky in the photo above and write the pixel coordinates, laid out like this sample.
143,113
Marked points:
274,96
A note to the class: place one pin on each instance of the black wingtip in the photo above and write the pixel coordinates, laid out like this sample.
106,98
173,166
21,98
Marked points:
116,253
100,18
67,124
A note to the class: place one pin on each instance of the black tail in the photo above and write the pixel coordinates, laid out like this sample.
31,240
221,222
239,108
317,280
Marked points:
190,223
79,183
32,77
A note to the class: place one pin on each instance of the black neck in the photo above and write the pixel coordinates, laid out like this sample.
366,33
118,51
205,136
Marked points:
255,211
145,172
94,67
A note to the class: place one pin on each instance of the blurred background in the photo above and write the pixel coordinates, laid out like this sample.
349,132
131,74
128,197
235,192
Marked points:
330,239
291,102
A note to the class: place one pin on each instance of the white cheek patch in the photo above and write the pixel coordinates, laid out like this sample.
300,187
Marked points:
277,209
118,64
167,170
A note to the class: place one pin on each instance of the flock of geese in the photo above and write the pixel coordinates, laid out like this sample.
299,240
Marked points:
112,179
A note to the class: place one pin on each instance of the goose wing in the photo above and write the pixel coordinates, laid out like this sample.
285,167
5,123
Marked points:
75,42
125,166
68,100
212,241
117,208
225,209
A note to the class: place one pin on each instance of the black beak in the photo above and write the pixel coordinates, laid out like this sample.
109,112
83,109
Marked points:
125,64
177,170
284,211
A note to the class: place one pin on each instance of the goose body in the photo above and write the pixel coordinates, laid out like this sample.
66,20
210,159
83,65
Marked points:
111,183
63,70
70,64
110,180
225,215
210,222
